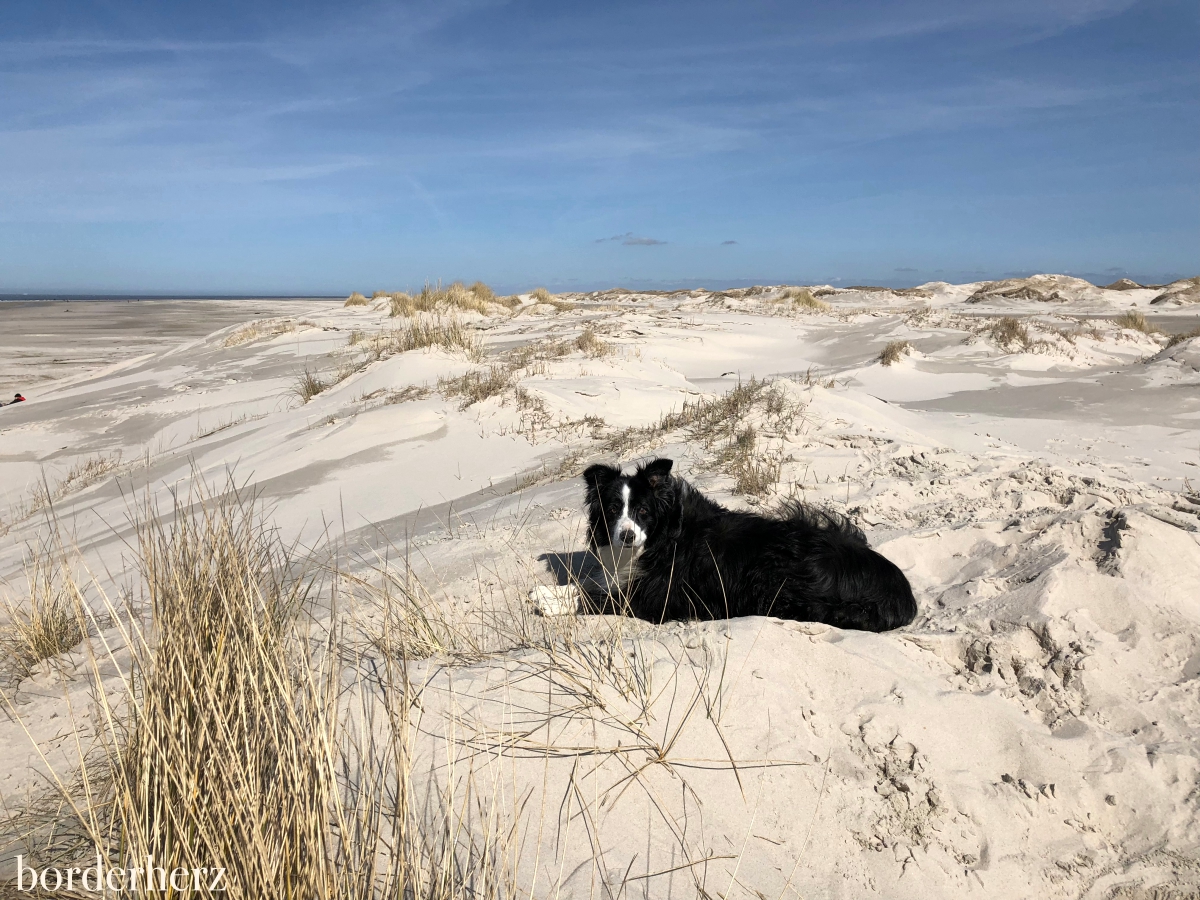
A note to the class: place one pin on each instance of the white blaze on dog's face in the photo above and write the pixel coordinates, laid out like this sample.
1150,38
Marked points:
627,532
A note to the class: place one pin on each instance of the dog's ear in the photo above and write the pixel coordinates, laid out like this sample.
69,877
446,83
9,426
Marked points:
599,475
657,472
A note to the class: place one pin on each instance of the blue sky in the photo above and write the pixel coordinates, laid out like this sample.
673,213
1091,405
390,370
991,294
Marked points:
226,147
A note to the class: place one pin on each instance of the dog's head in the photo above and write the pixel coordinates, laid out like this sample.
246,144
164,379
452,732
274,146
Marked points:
629,510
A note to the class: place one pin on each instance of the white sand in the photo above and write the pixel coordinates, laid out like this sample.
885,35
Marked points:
1035,733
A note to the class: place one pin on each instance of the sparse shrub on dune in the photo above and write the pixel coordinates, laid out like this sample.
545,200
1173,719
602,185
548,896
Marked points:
728,423
447,333
406,394
400,304
223,424
53,623
308,384
712,418
254,330
483,292
88,472
591,343
725,425
893,352
1085,328
461,297
412,624
437,299
1183,336
497,378
429,298
43,495
383,344
1042,346
814,378
1135,321
802,298
356,299
541,295
476,386
537,351
84,474
755,474
408,305
1009,332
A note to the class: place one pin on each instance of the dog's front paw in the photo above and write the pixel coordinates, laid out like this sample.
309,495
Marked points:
555,600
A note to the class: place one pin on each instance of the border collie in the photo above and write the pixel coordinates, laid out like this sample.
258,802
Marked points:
695,559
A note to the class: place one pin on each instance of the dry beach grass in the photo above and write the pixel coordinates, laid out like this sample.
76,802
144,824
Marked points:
43,495
894,352
50,622
223,745
343,684
455,298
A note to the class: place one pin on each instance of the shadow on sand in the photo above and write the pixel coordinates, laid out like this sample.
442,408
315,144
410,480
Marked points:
579,567
601,574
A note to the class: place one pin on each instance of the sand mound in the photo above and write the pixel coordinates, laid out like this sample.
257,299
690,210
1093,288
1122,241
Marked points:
1179,293
1179,364
1038,288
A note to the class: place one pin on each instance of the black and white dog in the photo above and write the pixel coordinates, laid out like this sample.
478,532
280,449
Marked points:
695,559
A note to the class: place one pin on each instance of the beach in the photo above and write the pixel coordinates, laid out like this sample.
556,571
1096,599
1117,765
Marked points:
1026,453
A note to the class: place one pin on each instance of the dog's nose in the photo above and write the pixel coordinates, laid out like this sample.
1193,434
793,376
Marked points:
626,537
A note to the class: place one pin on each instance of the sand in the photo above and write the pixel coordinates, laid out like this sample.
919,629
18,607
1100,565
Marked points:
1034,733
42,341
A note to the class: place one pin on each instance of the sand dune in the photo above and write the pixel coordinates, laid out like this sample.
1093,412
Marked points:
1179,293
1034,733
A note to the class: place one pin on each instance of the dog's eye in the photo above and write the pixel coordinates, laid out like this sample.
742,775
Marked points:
643,511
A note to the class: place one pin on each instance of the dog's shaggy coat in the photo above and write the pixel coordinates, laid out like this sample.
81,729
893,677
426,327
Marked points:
695,559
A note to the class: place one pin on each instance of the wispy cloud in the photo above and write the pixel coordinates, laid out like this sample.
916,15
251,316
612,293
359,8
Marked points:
889,19
807,128
629,239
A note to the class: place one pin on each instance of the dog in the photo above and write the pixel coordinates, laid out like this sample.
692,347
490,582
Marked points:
694,559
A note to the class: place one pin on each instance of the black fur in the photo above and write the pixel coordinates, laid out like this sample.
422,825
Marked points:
700,560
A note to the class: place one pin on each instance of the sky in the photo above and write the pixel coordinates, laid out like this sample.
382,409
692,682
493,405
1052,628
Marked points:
317,148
